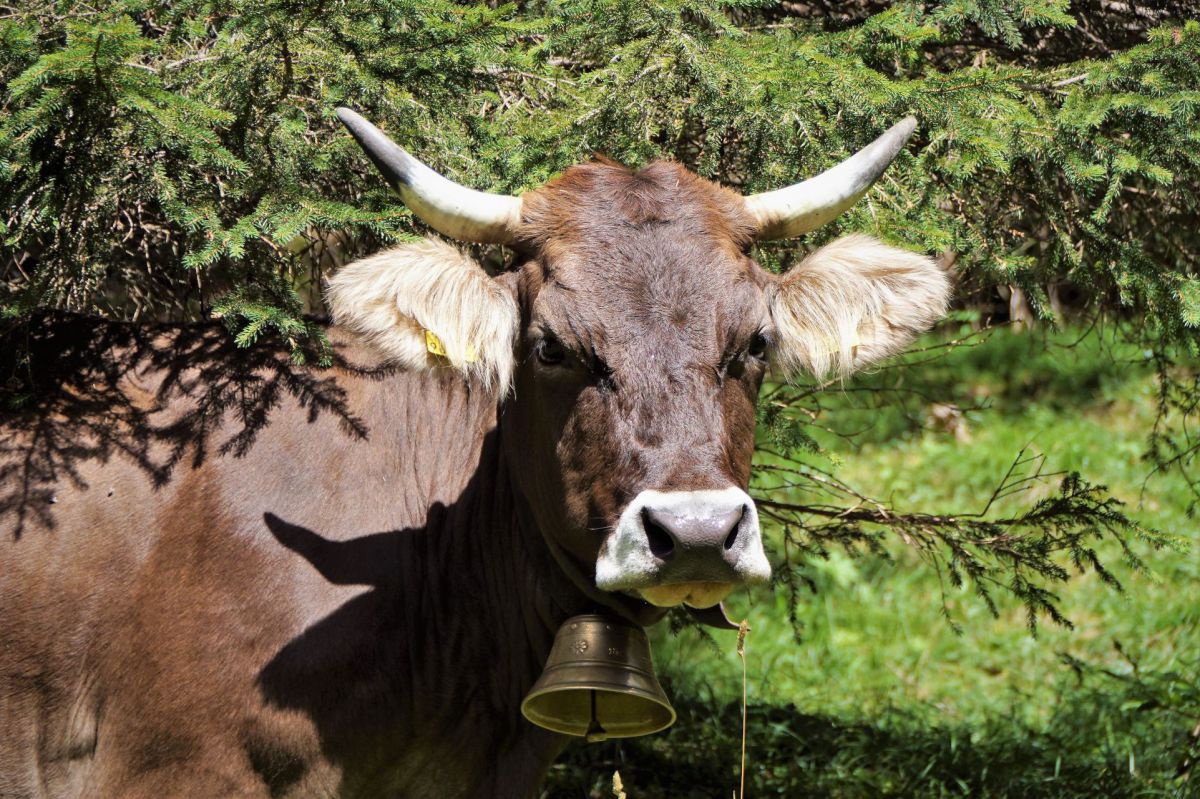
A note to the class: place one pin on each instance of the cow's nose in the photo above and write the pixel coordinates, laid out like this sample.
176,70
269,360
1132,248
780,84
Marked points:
675,537
669,531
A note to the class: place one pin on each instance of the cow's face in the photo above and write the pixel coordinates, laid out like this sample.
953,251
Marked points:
629,347
645,332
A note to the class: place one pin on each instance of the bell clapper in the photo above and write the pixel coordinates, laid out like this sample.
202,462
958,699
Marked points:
595,733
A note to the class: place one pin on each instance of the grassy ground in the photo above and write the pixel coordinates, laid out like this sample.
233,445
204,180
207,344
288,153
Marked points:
882,697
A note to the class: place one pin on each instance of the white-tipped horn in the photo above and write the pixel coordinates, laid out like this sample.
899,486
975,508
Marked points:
447,207
806,206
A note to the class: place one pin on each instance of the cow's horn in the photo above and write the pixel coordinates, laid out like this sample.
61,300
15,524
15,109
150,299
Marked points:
806,206
454,210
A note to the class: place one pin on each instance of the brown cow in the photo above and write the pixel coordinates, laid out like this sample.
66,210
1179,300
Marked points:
226,575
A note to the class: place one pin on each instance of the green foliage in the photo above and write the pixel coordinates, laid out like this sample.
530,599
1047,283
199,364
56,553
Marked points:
251,309
150,148
1013,526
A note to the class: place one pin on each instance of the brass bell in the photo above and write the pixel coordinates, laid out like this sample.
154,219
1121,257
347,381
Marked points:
599,682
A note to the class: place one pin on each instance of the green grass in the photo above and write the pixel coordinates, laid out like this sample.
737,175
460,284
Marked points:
881,684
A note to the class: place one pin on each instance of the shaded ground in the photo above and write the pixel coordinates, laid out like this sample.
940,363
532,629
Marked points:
795,754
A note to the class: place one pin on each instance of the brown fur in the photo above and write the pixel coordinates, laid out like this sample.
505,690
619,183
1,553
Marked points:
225,575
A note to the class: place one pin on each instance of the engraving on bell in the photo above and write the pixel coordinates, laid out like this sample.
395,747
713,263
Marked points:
599,682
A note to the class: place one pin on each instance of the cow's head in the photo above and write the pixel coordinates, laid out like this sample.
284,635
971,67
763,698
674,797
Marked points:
630,343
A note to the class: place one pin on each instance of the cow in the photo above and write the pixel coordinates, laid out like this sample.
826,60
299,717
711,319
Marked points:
223,573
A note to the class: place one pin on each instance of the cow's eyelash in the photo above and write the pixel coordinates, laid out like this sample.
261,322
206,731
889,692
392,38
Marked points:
595,363
761,337
600,368
549,350
588,359
762,341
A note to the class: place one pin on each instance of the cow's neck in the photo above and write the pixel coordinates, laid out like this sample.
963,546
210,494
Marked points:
473,593
500,573
478,596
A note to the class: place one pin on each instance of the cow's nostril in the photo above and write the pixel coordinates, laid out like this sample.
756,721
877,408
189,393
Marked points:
662,543
731,539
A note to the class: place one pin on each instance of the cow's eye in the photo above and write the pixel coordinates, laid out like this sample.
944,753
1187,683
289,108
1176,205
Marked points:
550,351
758,347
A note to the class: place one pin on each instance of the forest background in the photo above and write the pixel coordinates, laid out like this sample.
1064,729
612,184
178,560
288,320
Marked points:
986,550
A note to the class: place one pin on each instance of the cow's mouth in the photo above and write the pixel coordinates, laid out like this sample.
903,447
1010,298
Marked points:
696,595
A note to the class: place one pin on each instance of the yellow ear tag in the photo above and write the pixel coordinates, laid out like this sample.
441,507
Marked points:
435,346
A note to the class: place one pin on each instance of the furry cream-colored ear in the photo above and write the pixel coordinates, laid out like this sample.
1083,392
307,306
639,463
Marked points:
852,302
427,305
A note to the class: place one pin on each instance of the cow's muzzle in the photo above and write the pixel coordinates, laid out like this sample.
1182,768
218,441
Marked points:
684,546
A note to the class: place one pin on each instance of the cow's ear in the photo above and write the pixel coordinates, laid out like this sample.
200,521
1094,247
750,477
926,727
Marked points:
850,303
428,306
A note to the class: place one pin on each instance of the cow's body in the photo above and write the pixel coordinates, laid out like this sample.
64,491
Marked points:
347,605
223,575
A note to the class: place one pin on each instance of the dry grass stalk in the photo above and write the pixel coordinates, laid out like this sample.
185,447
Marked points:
618,788
743,631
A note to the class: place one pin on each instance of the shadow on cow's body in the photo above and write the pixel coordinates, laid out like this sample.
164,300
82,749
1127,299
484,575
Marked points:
217,579
76,390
